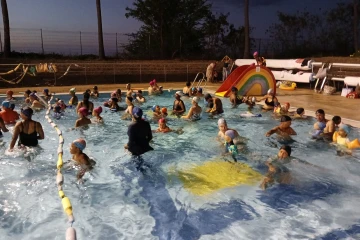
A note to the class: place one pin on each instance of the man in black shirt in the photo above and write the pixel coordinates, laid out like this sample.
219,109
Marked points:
139,133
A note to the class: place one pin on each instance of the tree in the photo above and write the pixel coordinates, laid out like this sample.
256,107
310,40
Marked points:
165,22
7,44
100,31
247,30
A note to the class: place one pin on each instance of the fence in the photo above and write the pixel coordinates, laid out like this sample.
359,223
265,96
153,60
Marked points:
74,43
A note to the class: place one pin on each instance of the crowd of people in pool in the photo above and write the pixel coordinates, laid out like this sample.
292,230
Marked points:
28,132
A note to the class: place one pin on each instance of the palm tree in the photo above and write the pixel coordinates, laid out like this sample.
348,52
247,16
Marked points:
100,32
356,4
247,30
7,46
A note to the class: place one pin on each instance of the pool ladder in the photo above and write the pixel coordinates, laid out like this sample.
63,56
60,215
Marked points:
200,81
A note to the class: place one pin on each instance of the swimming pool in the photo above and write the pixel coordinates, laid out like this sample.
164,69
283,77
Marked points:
119,202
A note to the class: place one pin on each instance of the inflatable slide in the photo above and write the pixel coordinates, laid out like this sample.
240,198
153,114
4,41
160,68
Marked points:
251,80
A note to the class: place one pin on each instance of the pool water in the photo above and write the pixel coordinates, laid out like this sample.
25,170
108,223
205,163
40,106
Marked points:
119,202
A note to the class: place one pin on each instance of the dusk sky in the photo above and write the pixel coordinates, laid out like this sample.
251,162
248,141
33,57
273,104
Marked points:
80,15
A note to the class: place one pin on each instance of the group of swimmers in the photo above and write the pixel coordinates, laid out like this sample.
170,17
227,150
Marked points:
29,131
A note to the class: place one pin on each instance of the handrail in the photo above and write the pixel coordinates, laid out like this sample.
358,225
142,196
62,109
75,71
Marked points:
200,81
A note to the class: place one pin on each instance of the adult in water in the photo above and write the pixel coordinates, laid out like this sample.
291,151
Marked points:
217,107
86,103
259,60
330,125
139,133
195,110
284,128
234,98
178,106
186,89
35,103
74,99
7,114
28,131
129,91
270,100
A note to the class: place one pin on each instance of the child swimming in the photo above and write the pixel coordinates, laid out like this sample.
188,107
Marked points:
83,120
162,126
57,112
96,113
223,127
76,149
283,129
277,171
164,112
156,111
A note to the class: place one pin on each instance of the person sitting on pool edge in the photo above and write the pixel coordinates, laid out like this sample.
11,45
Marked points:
7,114
96,113
283,129
277,171
76,149
217,105
234,98
187,89
95,93
74,99
178,106
28,131
83,120
195,110
270,100
140,135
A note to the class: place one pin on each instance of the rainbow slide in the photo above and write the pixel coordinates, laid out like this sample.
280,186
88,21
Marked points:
251,80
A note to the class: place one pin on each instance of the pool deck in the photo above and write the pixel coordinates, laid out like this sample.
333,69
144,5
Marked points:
348,109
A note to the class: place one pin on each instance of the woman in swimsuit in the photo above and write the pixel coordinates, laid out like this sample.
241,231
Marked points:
86,103
270,100
195,111
28,131
179,106
35,104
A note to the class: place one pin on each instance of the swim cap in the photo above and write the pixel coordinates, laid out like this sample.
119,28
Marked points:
287,149
80,144
98,110
285,118
255,53
221,121
12,106
160,86
83,111
9,92
207,96
28,112
178,93
152,83
46,90
253,99
345,127
196,99
33,95
6,104
72,90
162,120
270,91
137,112
287,105
164,110
153,108
231,134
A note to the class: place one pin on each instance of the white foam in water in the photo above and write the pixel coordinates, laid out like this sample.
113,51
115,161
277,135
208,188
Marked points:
118,202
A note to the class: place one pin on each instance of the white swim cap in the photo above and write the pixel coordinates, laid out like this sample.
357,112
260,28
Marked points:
253,99
196,99
270,91
178,93
221,121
